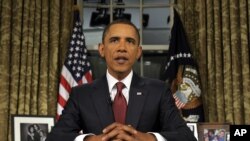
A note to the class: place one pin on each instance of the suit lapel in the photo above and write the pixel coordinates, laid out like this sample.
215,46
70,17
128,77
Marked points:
101,99
137,97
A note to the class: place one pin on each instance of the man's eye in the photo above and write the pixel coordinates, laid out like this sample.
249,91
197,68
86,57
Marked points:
131,41
113,40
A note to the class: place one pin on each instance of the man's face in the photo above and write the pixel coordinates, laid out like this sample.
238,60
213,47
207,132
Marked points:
120,49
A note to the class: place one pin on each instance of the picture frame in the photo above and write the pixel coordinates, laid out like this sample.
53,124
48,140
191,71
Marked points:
213,131
193,127
26,127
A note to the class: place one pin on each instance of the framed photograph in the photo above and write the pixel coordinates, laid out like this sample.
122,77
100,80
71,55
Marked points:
31,128
193,128
213,132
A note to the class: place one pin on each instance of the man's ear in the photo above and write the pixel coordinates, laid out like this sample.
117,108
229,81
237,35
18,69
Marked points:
139,53
101,49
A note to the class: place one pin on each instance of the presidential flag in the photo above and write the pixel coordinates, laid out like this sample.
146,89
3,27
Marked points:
76,69
181,73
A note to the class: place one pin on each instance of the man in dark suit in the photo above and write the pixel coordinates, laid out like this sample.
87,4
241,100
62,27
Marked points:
150,111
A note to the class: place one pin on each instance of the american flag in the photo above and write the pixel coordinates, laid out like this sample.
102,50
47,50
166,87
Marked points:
76,69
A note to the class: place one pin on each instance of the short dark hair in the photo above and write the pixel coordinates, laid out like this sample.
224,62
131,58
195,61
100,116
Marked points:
120,21
38,127
29,128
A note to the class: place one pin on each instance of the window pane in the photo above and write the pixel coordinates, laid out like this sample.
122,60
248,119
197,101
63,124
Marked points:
135,15
93,34
128,2
153,61
96,1
156,1
98,64
157,29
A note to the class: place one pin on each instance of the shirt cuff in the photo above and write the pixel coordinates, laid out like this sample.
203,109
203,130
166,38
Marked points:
158,136
82,137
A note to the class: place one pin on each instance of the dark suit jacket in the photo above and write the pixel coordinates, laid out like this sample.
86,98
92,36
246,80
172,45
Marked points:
151,108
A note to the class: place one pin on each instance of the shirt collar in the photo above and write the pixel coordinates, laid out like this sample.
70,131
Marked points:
112,81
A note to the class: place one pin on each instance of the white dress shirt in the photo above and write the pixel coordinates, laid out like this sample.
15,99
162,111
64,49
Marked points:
125,91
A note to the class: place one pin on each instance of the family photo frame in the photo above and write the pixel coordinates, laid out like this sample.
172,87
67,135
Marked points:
27,128
213,131
194,128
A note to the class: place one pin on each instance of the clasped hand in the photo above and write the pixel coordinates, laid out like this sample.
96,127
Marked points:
121,132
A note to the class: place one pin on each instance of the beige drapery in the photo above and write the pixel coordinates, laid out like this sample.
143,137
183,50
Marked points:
34,35
219,34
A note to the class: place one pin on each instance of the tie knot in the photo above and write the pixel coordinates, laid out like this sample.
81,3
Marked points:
119,86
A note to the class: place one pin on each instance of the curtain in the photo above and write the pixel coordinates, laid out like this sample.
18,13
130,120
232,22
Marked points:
219,35
34,35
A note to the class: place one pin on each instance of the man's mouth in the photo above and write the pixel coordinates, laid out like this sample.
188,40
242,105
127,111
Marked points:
121,60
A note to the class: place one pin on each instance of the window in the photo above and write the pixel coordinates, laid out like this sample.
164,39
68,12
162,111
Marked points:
151,18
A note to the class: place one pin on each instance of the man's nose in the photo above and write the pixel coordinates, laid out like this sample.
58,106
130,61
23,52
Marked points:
122,45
